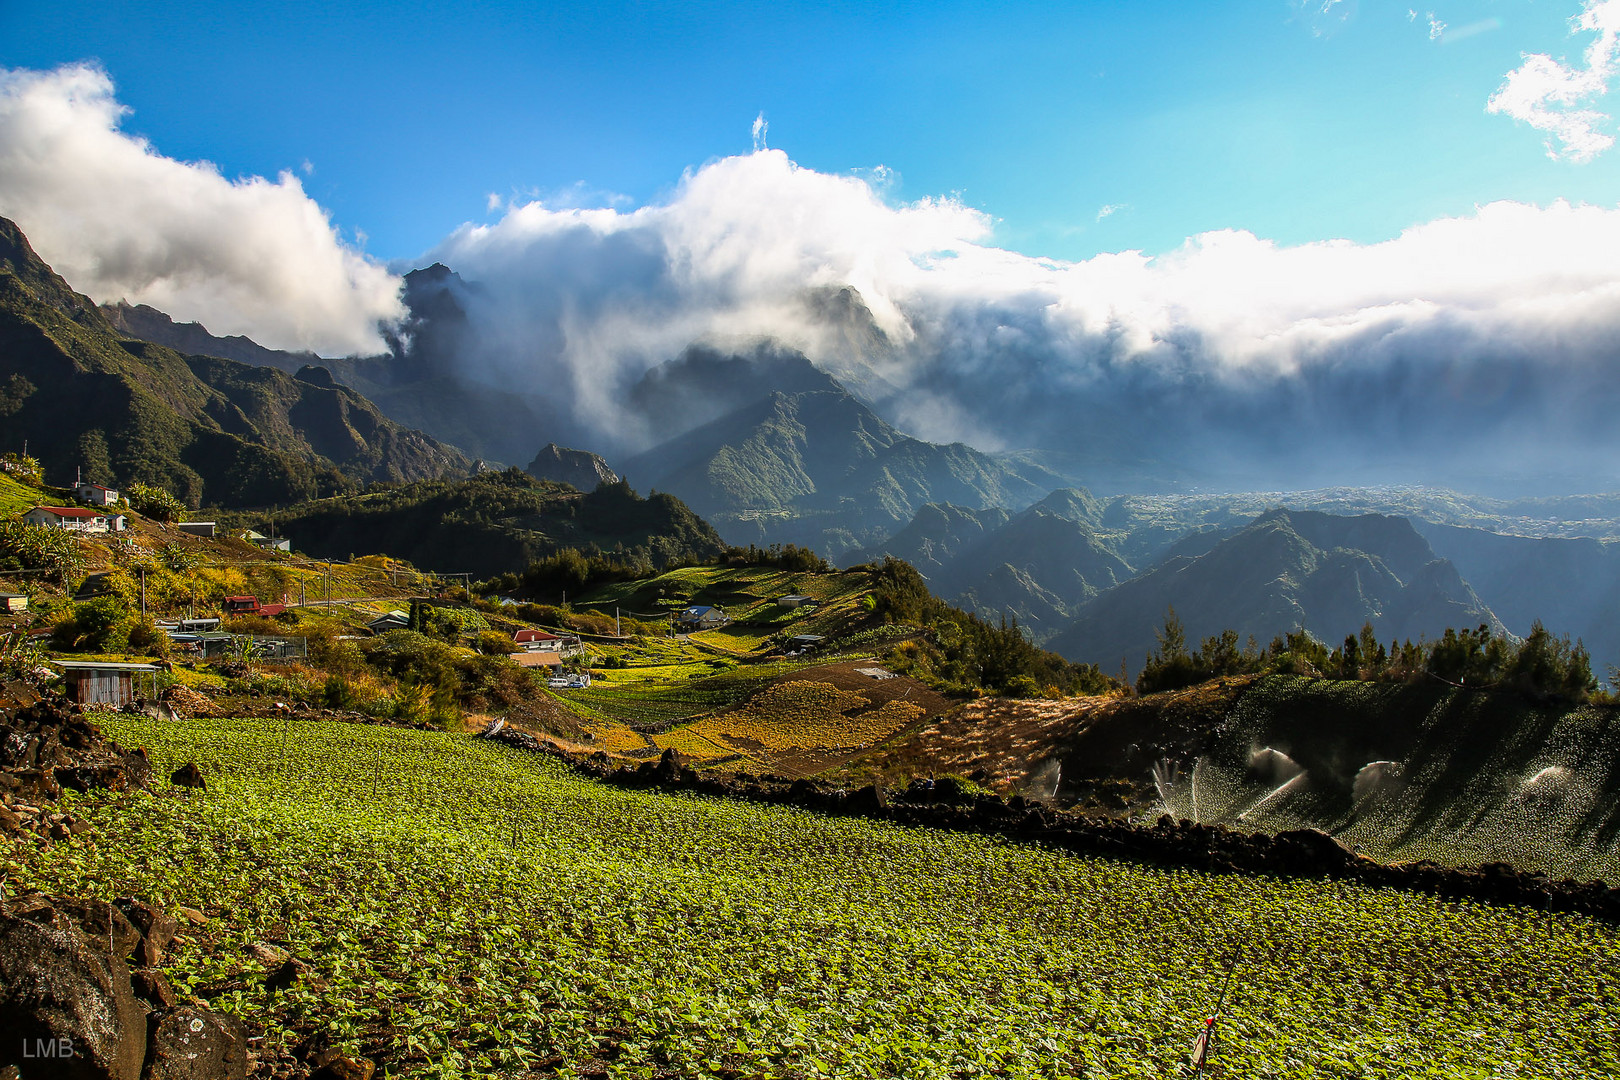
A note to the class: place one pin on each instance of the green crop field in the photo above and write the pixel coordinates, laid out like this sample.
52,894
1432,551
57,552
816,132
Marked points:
470,910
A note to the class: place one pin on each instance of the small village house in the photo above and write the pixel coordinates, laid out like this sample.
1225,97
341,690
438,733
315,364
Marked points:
13,603
96,495
538,640
393,620
268,543
700,617
204,529
71,518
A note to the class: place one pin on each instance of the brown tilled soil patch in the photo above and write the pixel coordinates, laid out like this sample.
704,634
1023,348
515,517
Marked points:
1010,742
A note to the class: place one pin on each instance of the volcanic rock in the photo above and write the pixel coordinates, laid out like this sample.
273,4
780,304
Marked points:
190,1043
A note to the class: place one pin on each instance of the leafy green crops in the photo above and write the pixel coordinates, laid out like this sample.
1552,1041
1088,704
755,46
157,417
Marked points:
475,910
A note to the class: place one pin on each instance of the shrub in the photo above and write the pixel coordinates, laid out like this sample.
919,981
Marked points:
495,643
96,626
154,502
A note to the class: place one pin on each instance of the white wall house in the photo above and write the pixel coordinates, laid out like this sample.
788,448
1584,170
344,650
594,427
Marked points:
71,518
96,495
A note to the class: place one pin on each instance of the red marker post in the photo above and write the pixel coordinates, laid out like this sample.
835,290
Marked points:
1206,1037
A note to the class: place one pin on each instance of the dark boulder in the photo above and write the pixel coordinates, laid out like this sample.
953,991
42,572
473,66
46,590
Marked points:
62,990
188,775
1310,852
152,987
157,930
190,1043
669,767
868,800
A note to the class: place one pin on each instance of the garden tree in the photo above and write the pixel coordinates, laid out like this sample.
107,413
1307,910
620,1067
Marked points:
154,502
39,547
495,643
1172,667
1548,665
789,557
95,626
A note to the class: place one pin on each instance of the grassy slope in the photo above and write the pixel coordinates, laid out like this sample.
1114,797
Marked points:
472,910
17,498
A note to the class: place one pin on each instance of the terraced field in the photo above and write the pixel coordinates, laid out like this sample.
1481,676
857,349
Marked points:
472,911
809,715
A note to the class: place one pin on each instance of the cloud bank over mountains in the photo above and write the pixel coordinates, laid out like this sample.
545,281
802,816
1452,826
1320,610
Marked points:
120,221
1501,325
1509,315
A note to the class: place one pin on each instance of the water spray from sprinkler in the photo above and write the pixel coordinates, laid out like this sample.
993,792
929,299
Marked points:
1281,790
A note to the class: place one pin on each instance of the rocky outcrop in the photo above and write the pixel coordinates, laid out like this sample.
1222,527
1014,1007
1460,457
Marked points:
47,745
577,468
81,995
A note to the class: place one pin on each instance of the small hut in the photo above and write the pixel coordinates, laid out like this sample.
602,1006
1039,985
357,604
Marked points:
102,683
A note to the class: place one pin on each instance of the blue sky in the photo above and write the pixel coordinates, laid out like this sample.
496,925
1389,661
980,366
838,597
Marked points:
1185,117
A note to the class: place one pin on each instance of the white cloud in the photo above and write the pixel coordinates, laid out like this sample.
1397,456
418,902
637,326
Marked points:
760,130
1110,209
1555,97
1437,28
119,220
586,300
1324,18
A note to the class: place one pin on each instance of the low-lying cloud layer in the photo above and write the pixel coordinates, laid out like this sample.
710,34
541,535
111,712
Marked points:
120,221
1508,315
1487,341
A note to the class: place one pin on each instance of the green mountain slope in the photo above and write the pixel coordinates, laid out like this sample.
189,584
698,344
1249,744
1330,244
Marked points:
1039,565
1571,585
193,339
820,467
1285,571
497,522
206,429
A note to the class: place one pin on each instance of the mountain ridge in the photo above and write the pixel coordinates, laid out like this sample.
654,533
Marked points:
1283,572
206,429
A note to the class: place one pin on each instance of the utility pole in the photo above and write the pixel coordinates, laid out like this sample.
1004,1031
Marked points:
143,594
616,631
